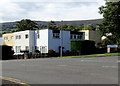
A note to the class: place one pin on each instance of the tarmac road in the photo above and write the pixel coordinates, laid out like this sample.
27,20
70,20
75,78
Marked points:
9,83
95,70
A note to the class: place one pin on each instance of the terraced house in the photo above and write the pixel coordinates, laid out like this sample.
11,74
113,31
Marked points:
42,40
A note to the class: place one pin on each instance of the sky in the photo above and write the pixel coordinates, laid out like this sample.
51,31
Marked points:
47,10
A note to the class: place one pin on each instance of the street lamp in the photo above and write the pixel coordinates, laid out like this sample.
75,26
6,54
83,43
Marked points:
61,40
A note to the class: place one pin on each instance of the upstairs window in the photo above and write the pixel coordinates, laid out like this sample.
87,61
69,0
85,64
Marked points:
27,48
12,37
76,35
79,37
18,36
56,35
26,36
5,38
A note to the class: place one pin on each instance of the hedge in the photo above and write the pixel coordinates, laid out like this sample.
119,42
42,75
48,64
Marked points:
83,46
7,52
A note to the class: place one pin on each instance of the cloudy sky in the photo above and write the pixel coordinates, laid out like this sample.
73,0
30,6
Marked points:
47,10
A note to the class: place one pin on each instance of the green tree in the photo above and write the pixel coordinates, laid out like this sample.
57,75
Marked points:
26,24
66,27
52,25
89,27
79,27
63,27
111,20
70,27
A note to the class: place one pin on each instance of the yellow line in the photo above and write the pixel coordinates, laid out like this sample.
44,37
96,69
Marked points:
14,80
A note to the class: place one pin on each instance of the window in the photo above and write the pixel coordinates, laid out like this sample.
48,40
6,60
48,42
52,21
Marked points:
56,35
75,37
71,36
18,36
26,36
26,47
18,48
43,49
12,37
5,38
79,37
36,48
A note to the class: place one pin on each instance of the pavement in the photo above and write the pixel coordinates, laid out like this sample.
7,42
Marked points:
100,70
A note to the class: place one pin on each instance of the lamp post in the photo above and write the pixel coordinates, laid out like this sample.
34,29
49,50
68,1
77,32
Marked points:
61,40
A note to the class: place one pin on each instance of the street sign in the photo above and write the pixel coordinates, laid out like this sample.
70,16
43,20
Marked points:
112,46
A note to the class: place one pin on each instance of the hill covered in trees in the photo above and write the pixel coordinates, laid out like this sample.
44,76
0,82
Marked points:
7,26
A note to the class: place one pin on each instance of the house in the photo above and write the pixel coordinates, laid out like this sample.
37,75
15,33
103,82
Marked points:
92,35
42,40
8,39
24,41
53,39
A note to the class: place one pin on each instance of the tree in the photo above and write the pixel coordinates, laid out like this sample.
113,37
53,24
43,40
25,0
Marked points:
79,27
111,20
26,24
52,25
89,27
66,27
70,27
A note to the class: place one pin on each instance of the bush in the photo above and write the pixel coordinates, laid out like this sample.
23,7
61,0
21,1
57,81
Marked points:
52,53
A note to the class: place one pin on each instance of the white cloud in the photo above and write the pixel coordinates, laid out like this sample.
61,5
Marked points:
42,11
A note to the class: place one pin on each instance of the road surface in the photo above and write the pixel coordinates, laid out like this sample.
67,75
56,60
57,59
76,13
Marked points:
95,70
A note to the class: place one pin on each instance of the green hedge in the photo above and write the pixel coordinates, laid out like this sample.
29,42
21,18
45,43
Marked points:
83,46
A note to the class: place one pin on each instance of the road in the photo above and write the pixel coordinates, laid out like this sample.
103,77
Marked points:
95,70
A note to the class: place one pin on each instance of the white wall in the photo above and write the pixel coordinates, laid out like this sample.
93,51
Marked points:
23,41
42,41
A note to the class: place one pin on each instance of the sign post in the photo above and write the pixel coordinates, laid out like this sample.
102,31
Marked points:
114,48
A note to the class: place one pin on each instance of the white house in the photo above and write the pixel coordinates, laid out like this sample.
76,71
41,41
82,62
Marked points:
44,40
53,39
24,40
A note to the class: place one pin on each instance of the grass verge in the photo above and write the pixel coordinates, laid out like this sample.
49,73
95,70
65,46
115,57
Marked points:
92,55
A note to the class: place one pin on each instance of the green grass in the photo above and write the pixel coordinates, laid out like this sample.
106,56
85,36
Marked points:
112,54
92,55
85,56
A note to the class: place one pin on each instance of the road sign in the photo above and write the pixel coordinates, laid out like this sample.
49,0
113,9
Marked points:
112,46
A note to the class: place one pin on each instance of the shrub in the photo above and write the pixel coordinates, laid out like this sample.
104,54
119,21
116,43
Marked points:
52,53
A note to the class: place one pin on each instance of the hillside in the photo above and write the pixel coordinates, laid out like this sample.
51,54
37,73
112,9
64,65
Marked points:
7,26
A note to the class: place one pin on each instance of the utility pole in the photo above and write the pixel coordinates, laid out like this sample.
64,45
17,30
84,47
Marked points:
61,50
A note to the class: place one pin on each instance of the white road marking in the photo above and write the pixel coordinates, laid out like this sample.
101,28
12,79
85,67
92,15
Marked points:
110,66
